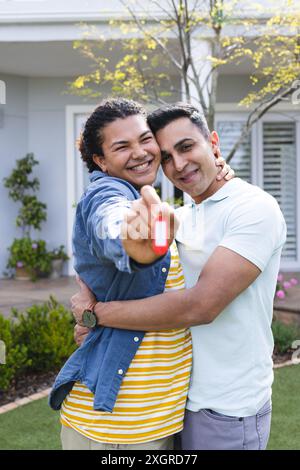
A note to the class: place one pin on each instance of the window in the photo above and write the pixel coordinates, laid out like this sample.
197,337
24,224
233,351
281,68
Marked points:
229,132
280,175
268,158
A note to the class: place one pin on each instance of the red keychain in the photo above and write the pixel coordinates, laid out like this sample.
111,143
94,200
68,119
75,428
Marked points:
160,241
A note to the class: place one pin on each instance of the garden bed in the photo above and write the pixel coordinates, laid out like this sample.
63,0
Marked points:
26,386
38,342
282,358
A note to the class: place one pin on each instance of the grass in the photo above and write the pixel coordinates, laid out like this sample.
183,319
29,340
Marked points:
36,426
30,427
285,430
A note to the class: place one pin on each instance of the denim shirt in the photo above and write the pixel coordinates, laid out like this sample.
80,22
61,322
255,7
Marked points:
102,263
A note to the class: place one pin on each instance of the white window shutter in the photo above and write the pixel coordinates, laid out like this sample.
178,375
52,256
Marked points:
280,176
229,132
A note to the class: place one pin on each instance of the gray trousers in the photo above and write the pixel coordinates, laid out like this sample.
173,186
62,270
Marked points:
208,430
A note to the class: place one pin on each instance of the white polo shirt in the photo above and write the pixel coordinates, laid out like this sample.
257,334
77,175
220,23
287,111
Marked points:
232,357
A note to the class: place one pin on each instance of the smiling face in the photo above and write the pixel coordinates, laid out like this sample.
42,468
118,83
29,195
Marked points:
130,151
188,158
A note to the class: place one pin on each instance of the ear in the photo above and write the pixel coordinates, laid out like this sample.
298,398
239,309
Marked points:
100,162
215,143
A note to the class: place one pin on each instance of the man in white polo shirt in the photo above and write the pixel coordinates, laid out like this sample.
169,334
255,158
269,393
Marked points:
230,240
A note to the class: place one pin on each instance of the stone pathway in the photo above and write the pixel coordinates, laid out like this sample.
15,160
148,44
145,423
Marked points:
22,294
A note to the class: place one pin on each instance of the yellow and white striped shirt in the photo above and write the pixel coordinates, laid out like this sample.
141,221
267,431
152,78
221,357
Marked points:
152,397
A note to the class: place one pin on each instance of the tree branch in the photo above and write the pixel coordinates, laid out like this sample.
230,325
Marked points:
257,114
165,50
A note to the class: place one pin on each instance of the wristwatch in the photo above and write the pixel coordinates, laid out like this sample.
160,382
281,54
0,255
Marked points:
89,319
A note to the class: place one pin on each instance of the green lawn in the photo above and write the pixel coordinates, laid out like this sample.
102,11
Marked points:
30,427
36,426
285,431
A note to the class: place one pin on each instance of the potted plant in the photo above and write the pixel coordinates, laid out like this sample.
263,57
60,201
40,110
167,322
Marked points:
28,258
58,256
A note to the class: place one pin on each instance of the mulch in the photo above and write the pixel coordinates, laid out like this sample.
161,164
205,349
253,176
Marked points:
284,357
27,385
37,382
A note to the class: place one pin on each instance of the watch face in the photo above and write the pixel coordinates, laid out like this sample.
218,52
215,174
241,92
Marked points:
89,319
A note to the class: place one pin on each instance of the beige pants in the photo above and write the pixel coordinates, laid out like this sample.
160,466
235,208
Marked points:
73,440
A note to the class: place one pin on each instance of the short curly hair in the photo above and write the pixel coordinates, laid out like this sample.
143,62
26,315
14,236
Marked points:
91,139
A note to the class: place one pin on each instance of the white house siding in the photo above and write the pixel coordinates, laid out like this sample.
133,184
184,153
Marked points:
13,144
232,88
47,140
34,121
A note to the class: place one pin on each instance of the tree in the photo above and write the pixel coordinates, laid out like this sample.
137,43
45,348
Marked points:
158,41
25,253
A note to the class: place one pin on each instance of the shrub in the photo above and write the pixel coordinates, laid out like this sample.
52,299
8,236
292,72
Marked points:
22,186
47,330
16,355
39,340
284,335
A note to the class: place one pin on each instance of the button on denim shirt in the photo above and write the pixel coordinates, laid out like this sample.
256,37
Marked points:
102,263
